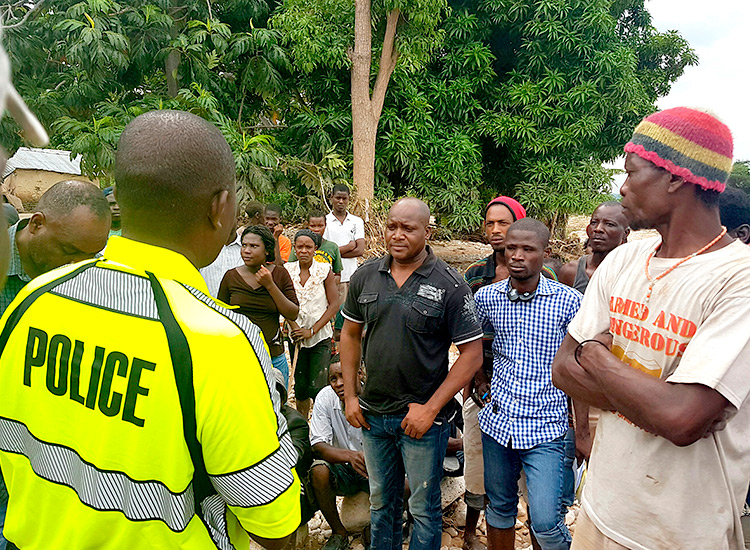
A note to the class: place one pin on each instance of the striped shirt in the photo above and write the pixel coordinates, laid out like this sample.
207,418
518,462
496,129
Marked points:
135,411
526,408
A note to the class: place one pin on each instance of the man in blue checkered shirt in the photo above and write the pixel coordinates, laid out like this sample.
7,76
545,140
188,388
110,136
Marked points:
525,424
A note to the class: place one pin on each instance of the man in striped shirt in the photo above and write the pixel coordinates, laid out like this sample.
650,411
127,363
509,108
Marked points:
524,425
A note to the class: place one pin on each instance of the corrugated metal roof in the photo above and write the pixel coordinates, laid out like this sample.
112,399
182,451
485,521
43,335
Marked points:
51,160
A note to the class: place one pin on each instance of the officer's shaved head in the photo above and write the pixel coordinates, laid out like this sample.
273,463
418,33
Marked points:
64,196
416,207
170,164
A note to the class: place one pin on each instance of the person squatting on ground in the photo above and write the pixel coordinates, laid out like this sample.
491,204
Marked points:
263,291
318,302
500,213
525,424
140,395
340,467
414,306
660,345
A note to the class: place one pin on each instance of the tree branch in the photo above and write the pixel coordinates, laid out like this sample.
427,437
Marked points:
388,58
25,17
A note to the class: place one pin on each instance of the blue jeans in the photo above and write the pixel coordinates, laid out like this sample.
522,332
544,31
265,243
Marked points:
280,363
390,453
546,470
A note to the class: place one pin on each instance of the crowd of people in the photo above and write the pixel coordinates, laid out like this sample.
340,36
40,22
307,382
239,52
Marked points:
145,403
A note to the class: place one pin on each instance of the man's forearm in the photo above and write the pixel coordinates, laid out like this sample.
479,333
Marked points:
329,453
578,384
681,413
462,371
350,351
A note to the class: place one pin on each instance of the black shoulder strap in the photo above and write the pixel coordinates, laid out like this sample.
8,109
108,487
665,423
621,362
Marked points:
182,364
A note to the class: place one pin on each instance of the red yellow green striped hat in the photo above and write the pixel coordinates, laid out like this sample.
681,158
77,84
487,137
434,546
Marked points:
686,142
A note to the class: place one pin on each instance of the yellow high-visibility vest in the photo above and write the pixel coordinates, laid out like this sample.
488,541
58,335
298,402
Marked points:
137,412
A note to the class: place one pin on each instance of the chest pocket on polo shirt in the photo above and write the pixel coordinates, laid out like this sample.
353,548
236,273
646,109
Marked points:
368,305
425,315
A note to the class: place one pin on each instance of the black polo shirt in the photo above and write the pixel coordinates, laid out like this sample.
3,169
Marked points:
409,329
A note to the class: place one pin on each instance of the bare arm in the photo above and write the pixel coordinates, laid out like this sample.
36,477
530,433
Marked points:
682,413
349,251
570,377
567,273
582,430
335,455
351,357
285,306
420,417
332,295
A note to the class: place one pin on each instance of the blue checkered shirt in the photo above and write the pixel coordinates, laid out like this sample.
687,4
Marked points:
526,408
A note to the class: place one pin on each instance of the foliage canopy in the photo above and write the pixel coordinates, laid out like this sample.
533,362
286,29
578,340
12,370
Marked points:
521,97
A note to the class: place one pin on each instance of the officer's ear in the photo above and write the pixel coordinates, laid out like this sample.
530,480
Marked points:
36,222
217,212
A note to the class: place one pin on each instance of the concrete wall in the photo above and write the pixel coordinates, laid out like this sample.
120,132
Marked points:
29,185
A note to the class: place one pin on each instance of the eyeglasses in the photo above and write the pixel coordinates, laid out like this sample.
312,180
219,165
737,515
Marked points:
515,296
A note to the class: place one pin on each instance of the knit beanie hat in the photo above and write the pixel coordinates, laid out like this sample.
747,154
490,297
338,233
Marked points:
688,143
513,205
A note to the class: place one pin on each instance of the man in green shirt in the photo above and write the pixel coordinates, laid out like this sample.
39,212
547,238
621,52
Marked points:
328,251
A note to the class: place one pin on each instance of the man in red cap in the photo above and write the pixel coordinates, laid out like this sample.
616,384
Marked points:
500,213
661,345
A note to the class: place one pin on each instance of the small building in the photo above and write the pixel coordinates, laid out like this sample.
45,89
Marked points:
30,172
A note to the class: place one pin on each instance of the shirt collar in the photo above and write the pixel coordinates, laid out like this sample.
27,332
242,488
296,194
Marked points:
162,262
424,270
544,288
16,267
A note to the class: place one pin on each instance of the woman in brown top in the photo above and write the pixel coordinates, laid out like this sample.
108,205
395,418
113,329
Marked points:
262,291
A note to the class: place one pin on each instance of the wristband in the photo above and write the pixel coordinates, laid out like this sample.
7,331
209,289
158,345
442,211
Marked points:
579,349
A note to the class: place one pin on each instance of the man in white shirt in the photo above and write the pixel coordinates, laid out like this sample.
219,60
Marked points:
340,468
348,232
661,345
228,258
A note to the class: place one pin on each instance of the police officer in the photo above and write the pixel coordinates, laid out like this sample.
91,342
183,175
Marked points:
134,410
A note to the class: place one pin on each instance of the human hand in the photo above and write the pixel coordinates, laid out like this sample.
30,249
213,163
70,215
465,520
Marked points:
354,413
583,446
483,389
418,420
357,460
586,353
278,228
301,333
263,276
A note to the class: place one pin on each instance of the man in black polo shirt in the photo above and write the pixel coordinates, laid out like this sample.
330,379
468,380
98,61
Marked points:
414,306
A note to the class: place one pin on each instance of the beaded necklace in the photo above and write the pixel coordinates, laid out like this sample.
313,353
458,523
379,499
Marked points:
652,281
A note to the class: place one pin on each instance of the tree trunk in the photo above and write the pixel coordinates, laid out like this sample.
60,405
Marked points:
366,109
172,62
